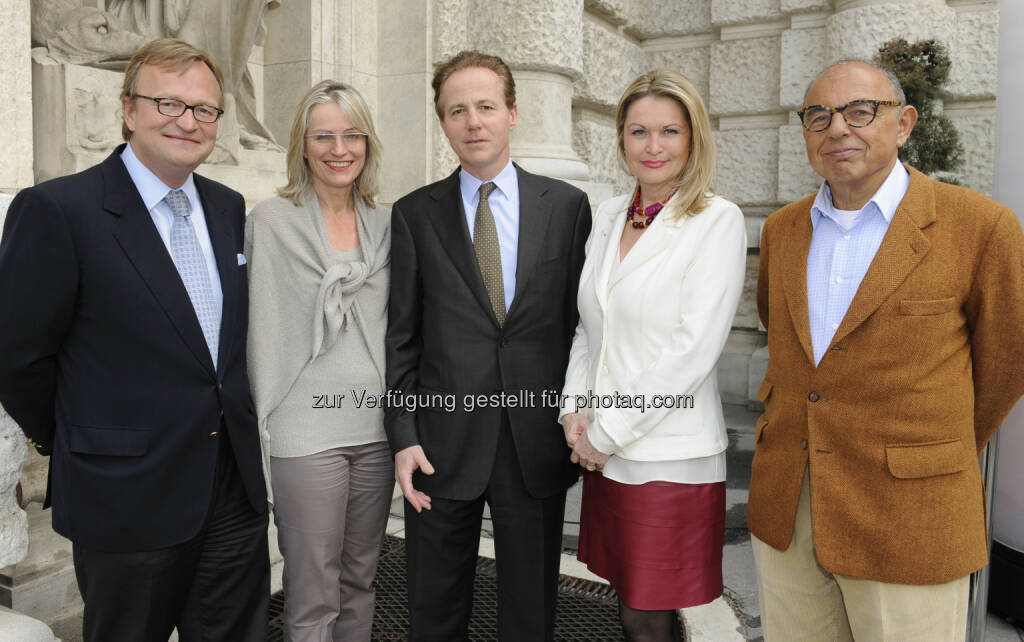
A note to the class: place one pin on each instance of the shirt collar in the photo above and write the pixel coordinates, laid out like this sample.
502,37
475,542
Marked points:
507,182
150,187
885,200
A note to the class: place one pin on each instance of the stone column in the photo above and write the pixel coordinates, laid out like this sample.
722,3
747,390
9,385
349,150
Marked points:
859,27
403,88
311,40
16,108
542,42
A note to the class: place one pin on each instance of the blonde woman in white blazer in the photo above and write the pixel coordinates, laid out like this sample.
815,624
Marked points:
664,272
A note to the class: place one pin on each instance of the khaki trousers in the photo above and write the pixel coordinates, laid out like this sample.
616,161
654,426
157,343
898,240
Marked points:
802,601
331,509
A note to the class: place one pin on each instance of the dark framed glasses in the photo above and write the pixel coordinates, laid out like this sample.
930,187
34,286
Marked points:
175,108
858,113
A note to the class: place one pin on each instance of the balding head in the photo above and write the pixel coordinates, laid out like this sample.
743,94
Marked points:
856,160
894,81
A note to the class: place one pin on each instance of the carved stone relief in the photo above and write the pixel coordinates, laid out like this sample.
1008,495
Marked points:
66,32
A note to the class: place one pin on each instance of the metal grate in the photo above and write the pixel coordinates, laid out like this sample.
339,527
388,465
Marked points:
587,611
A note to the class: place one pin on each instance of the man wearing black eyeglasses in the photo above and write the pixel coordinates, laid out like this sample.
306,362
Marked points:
123,315
893,305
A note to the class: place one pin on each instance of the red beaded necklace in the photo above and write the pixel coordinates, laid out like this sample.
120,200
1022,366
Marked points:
641,217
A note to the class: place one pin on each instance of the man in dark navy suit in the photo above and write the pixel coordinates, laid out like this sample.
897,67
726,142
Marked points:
123,313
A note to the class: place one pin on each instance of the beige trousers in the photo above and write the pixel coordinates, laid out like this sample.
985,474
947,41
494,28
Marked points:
802,601
331,509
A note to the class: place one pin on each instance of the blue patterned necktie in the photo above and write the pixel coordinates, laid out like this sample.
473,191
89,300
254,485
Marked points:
188,258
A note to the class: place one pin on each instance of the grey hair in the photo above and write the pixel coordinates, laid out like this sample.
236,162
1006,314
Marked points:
894,82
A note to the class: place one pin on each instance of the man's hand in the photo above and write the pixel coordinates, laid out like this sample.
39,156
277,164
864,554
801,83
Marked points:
584,454
574,424
408,460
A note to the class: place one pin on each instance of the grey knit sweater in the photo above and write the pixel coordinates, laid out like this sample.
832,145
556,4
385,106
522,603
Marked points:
317,318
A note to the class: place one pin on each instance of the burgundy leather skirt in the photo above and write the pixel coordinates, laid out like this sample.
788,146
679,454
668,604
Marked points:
658,544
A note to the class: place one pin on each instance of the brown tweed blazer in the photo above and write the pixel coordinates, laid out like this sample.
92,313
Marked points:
926,364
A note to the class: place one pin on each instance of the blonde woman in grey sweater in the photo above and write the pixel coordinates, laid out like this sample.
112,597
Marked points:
318,258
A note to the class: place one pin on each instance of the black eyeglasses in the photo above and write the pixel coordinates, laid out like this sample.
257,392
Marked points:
175,108
859,113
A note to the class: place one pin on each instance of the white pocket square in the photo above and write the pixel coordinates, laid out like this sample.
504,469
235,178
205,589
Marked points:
241,259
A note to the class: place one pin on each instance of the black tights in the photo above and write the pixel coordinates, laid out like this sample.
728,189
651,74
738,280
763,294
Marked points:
649,626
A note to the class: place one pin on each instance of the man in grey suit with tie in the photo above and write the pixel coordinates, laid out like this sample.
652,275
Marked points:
484,270
123,314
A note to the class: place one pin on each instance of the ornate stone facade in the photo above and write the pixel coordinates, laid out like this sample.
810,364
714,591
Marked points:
750,59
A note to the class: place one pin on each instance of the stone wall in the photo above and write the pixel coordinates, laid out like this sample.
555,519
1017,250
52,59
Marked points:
16,108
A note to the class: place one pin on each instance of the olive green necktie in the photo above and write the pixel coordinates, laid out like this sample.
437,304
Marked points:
488,253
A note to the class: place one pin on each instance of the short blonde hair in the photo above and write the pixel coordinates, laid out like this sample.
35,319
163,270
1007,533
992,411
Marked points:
300,177
166,53
693,185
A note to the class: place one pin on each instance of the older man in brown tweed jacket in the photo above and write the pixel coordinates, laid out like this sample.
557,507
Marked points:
894,306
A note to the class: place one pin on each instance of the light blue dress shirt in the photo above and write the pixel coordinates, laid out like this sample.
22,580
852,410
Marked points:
843,245
153,190
504,202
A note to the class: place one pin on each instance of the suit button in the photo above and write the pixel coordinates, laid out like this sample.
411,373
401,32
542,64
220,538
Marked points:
814,396
220,386
503,343
212,435
803,444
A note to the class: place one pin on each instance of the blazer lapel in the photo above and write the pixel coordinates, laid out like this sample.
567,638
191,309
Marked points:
794,267
610,236
902,249
652,243
141,242
449,221
225,251
534,218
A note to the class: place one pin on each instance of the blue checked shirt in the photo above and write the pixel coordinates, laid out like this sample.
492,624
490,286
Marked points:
843,245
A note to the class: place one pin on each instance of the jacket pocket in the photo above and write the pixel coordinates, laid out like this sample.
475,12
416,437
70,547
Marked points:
119,441
929,459
763,393
930,307
762,423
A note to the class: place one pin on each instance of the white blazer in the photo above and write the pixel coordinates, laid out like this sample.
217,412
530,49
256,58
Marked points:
657,329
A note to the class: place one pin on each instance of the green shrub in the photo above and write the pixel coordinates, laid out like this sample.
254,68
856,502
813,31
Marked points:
923,70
